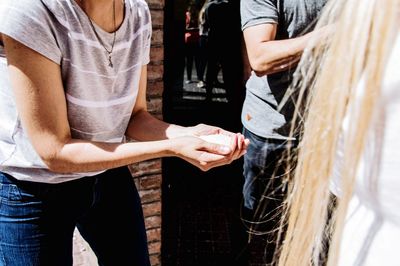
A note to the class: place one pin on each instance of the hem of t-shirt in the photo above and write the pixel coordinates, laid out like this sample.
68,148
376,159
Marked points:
266,135
54,58
48,179
259,21
146,62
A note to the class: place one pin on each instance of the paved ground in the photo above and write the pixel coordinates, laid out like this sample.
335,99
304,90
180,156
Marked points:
83,255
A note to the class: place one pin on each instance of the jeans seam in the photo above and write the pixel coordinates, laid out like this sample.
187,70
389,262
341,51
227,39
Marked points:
3,259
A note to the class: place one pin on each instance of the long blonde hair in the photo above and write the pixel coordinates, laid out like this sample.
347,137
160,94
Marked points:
356,47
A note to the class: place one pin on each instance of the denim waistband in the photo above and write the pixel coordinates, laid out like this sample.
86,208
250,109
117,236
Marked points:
38,187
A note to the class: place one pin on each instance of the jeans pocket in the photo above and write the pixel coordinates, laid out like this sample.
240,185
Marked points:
18,206
12,195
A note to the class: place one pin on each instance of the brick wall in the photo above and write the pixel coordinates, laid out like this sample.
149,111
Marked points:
148,174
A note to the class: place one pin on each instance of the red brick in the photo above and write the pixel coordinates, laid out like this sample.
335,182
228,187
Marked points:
154,248
155,4
157,55
148,196
155,72
150,182
148,174
149,167
155,88
157,37
151,209
155,260
153,235
153,222
154,105
157,18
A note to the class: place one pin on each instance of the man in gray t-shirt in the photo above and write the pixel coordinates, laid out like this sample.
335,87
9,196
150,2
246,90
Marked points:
276,33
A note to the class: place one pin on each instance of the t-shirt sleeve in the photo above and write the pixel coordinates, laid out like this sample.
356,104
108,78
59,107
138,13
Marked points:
147,45
255,12
30,23
147,32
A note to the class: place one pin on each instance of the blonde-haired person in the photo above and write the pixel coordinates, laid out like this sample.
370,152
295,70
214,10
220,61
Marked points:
350,144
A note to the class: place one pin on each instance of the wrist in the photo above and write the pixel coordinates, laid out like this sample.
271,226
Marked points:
175,131
171,147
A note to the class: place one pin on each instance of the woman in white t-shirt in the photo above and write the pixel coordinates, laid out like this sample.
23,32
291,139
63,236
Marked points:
350,145
72,88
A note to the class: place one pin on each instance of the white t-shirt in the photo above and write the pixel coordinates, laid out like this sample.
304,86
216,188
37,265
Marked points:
100,98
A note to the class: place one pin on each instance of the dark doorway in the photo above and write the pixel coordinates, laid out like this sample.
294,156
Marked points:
201,211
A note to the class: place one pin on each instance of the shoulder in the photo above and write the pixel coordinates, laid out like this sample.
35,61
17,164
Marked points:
266,3
20,8
29,7
138,4
139,9
28,11
255,12
32,24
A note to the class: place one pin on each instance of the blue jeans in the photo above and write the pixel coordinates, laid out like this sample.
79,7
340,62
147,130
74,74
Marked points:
37,220
263,169
263,192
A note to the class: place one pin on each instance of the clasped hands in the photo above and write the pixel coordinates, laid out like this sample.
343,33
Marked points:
207,146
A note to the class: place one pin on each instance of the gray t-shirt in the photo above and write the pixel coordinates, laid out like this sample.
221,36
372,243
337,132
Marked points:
100,99
263,94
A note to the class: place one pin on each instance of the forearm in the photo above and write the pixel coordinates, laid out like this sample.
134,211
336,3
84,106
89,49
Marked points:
267,55
145,127
278,55
85,156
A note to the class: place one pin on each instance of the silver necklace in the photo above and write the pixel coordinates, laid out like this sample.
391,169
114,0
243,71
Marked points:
108,51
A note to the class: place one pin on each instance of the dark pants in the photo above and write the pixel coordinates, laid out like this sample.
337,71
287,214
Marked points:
264,170
203,46
192,54
37,220
222,57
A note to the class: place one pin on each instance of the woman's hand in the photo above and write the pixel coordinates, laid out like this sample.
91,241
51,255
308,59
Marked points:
203,129
202,154
210,154
238,143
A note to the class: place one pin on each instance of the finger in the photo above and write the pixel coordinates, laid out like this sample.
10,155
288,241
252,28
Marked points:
207,129
226,133
216,148
240,141
234,143
246,143
209,165
210,157
196,162
203,166
237,151
216,164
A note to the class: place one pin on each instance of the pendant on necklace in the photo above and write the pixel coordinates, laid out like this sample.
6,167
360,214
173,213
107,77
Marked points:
110,64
